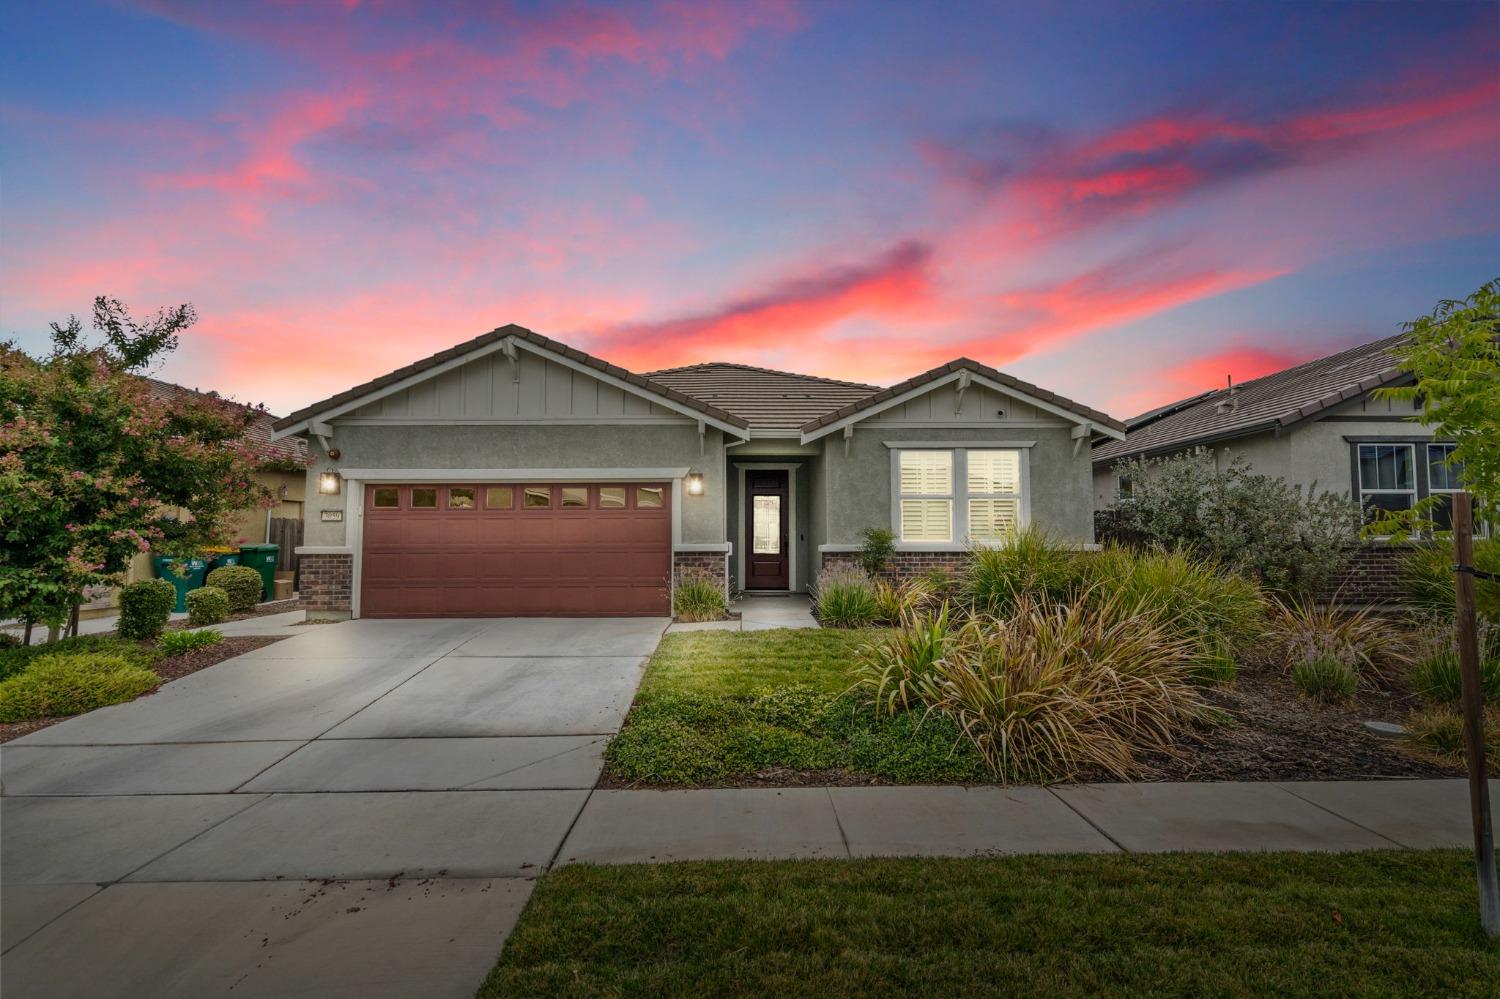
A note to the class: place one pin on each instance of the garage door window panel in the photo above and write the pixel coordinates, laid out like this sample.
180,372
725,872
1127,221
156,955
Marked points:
424,497
385,498
538,497
461,498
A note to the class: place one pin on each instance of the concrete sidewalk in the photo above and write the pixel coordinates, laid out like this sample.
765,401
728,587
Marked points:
838,822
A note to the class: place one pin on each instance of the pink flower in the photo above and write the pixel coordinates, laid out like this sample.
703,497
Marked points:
77,475
134,502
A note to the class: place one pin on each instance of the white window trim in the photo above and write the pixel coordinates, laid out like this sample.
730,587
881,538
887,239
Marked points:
1481,528
1359,465
960,494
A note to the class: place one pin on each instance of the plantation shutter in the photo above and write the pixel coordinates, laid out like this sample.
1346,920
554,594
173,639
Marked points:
926,473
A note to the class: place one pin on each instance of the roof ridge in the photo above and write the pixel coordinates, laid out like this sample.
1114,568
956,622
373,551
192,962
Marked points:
762,370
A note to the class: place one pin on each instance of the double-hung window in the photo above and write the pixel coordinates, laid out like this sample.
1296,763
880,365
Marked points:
958,494
1444,478
1387,477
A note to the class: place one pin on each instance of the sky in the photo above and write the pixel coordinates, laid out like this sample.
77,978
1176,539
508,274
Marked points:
1123,203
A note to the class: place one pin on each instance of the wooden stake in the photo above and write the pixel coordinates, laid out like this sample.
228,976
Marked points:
1473,708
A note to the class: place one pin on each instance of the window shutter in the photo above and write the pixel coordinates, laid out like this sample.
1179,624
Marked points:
926,473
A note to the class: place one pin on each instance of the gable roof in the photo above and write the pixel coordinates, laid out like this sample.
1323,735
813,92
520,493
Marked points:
942,371
768,400
257,433
494,337
1271,402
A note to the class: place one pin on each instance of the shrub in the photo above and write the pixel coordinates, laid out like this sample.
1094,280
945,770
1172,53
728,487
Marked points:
71,683
1061,687
240,583
1438,680
897,669
1427,577
176,643
145,607
15,660
1439,732
1362,640
941,583
1029,564
9,641
894,601
699,596
1325,678
845,598
207,605
878,547
1292,541
1220,611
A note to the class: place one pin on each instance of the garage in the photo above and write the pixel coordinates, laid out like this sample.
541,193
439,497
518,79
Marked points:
516,549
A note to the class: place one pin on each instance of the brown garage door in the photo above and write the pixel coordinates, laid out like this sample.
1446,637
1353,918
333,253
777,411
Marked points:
487,550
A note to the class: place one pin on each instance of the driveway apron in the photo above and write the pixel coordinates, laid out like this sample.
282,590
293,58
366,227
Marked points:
280,822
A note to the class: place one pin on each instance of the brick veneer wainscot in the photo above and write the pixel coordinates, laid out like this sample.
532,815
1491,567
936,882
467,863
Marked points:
326,582
903,565
715,564
1371,576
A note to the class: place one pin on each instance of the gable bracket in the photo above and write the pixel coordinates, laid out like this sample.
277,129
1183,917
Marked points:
702,439
1081,434
508,348
848,438
961,386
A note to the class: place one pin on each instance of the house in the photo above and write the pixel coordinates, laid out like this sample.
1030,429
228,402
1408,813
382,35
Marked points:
513,474
283,473
1319,425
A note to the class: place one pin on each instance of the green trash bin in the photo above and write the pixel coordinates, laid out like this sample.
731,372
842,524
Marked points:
262,558
222,559
183,574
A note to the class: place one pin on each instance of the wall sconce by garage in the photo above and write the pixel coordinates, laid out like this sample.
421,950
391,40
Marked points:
328,483
695,483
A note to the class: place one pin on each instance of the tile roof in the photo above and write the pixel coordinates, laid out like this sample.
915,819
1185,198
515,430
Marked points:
766,399
1276,400
963,364
520,333
261,424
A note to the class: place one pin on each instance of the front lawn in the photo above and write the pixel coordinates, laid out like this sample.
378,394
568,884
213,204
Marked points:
720,707
1377,923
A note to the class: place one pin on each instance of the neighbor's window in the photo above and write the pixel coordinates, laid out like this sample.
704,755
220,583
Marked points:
1444,478
1387,477
423,498
926,495
575,497
499,498
648,497
611,497
461,498
994,482
387,497
537,497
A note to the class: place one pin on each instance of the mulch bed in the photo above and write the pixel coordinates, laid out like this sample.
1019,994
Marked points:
169,668
261,610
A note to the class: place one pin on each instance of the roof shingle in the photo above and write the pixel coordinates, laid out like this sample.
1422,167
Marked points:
766,399
1275,400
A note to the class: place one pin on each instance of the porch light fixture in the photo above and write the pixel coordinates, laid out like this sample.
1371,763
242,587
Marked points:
695,483
328,483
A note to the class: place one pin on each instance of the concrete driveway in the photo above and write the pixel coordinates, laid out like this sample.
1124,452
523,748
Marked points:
357,810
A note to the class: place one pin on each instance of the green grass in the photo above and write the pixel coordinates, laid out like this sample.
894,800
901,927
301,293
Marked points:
1377,923
716,706
737,663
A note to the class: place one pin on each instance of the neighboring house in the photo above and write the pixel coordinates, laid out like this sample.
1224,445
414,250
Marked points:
284,474
513,474
1318,425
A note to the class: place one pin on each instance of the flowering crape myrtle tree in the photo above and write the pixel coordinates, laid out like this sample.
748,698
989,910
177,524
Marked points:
94,468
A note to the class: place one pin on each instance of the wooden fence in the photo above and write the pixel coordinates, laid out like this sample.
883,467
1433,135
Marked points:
286,532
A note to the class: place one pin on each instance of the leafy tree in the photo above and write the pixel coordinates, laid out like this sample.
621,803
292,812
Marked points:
95,468
1293,541
1453,356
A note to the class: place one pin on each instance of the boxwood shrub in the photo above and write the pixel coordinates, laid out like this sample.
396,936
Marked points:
241,583
145,607
207,605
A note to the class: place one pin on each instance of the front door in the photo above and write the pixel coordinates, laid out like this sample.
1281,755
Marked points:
766,564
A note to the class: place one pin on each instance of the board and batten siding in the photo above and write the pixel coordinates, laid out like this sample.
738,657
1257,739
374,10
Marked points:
977,407
491,388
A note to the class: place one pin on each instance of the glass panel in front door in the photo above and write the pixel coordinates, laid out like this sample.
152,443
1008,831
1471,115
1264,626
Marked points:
765,528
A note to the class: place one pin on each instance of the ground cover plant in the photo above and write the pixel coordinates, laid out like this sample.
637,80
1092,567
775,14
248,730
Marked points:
734,707
1371,923
176,643
70,683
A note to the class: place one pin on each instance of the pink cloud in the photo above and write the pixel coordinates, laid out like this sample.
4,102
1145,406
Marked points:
1210,371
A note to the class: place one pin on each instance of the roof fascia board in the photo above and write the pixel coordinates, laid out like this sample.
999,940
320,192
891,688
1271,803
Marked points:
974,377
500,346
620,383
1249,430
